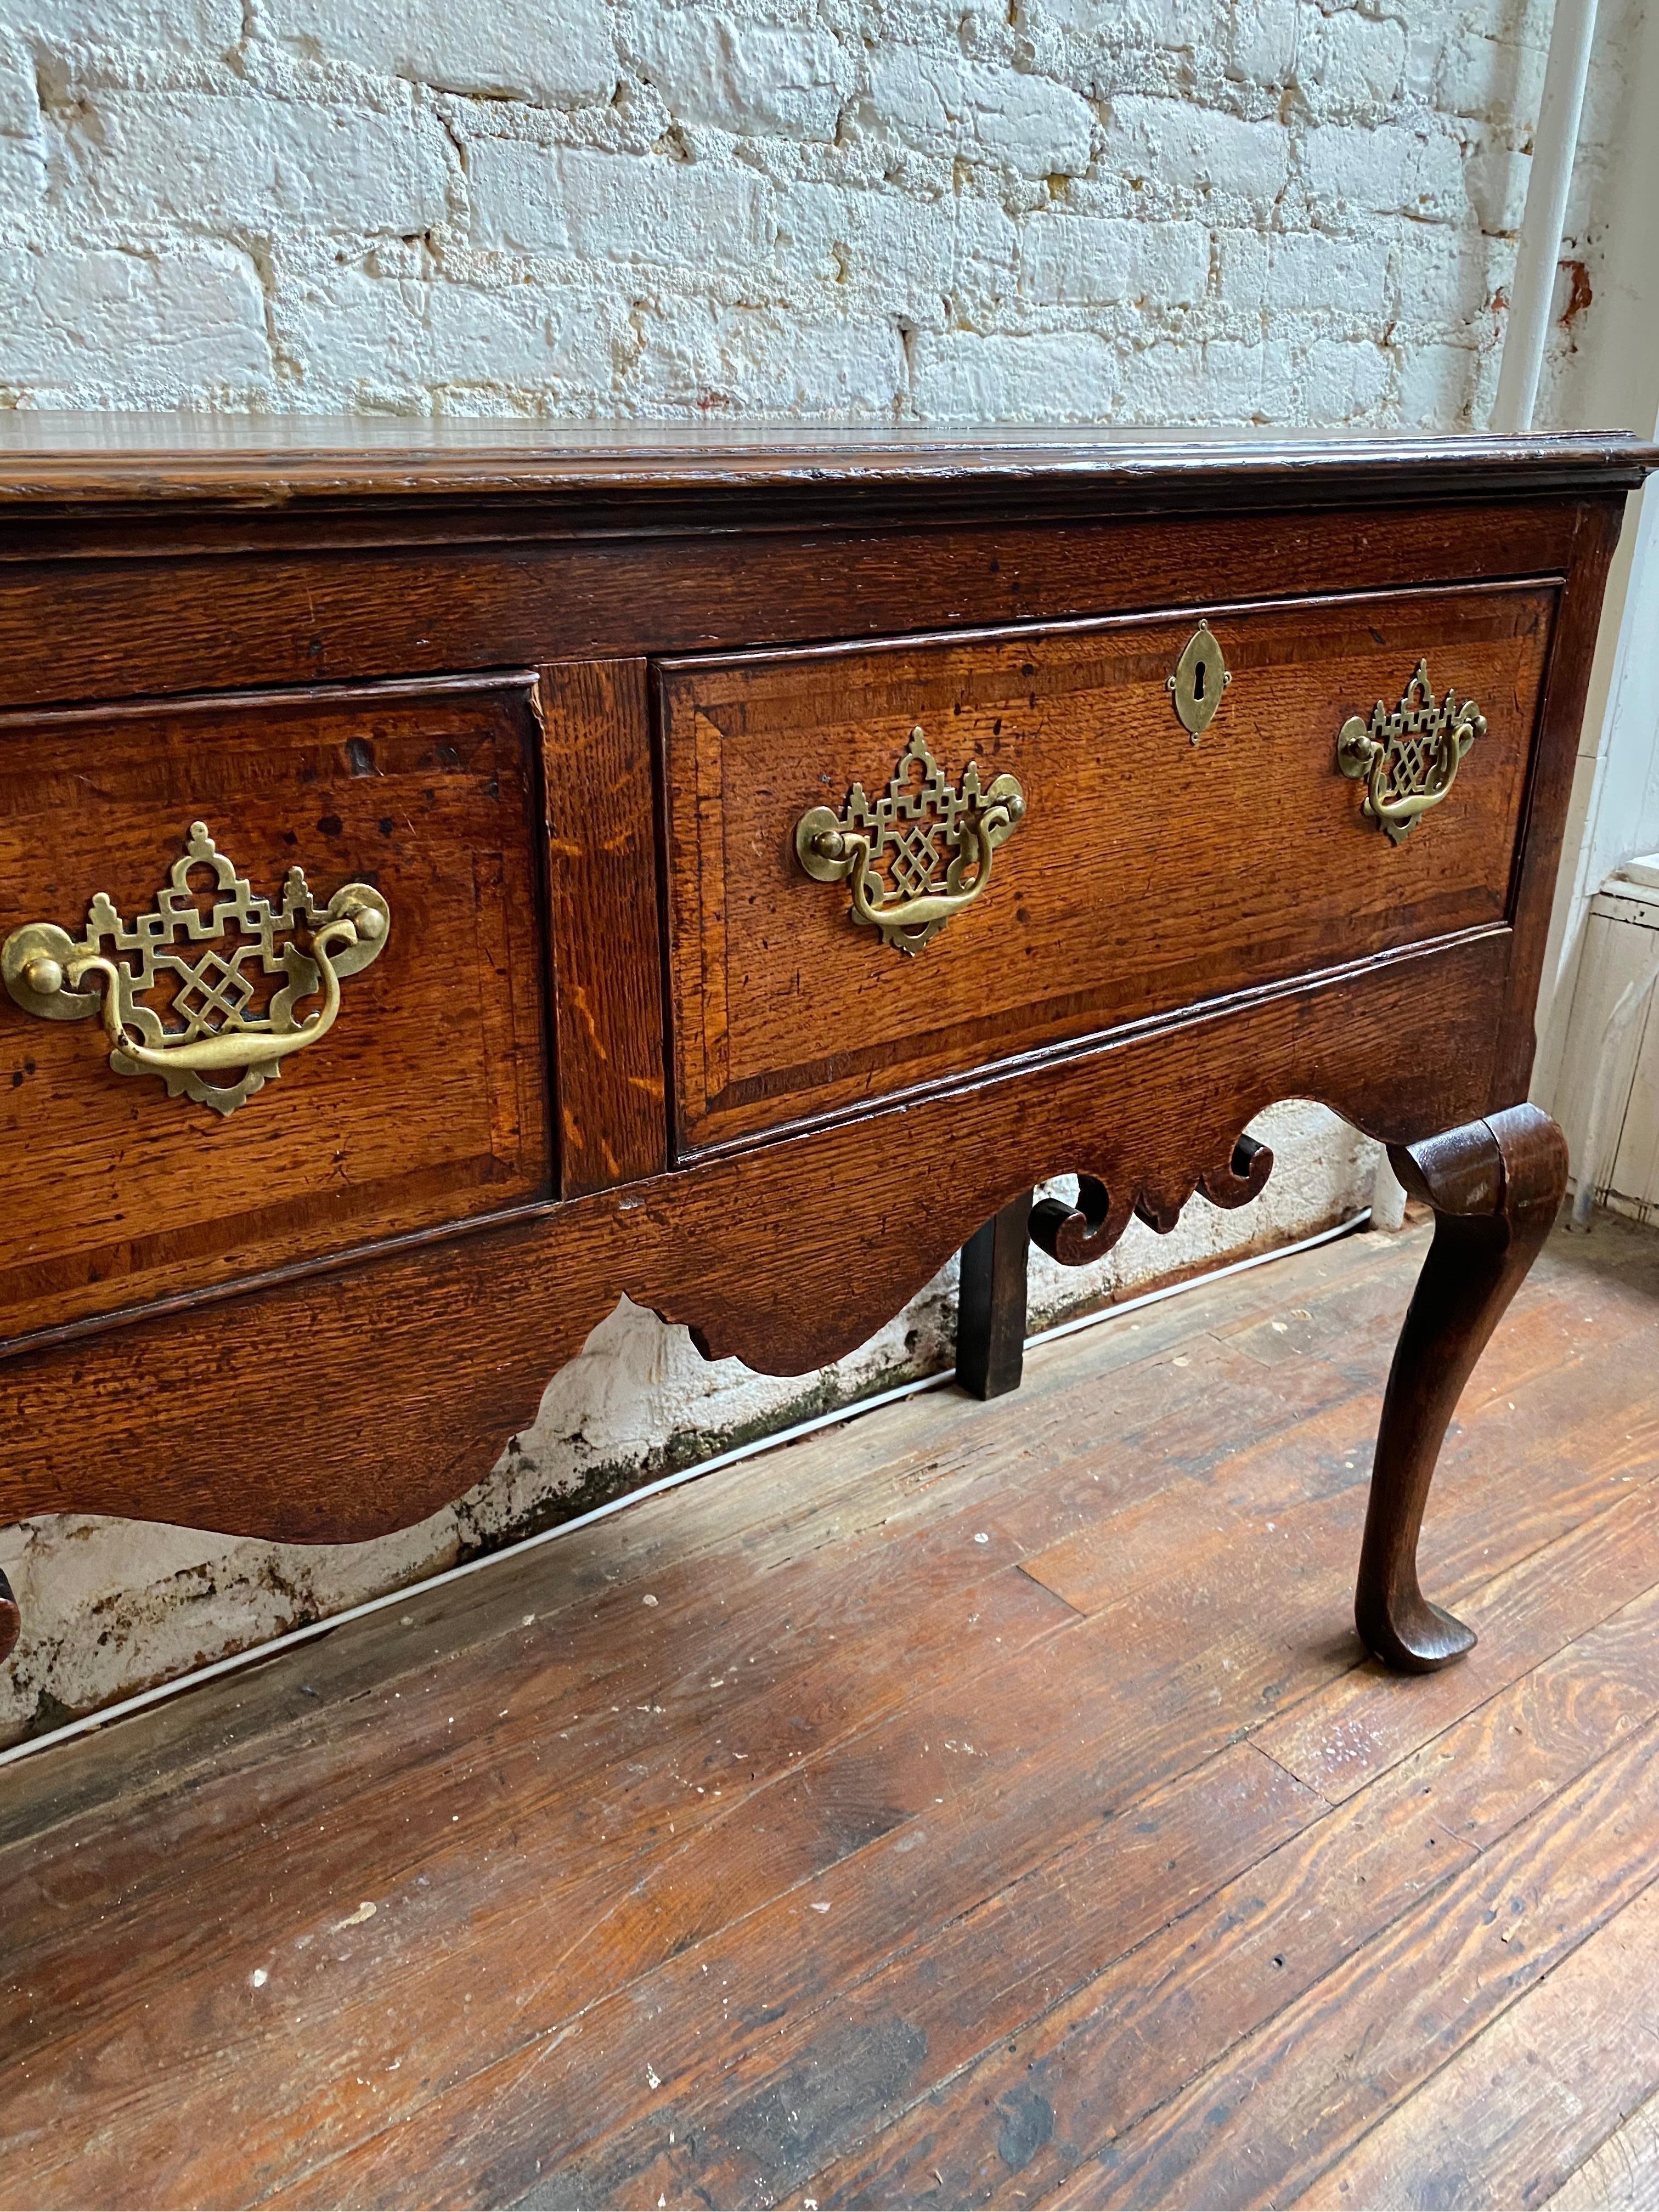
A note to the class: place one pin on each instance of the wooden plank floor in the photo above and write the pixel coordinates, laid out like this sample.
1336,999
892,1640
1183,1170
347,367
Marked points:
977,1804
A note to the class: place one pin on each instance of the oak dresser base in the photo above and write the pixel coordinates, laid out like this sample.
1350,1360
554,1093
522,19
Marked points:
452,878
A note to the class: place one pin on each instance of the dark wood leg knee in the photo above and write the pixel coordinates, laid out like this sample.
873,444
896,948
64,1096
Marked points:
1496,1186
11,1620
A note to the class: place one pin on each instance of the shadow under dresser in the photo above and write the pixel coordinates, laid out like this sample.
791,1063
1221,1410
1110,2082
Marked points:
453,875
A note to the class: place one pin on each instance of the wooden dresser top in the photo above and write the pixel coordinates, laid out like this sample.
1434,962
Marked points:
91,461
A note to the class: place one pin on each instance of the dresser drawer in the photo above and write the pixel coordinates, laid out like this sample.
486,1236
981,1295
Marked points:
427,1099
1142,866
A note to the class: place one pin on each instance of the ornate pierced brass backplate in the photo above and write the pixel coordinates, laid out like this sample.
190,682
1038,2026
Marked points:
933,843
1408,758
209,1019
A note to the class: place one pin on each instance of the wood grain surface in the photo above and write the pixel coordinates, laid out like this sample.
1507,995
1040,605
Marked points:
989,1809
1496,1188
607,970
428,1102
63,458
138,605
1149,873
1402,1046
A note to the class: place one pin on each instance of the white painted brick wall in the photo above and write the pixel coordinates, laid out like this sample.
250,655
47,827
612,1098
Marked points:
1132,211
1266,209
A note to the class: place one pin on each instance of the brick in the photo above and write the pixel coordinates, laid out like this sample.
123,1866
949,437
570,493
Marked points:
1313,273
22,184
1496,177
1072,258
906,254
615,207
985,249
1446,278
1242,259
1386,171
260,163
19,104
1439,186
1183,25
355,335
133,330
1165,382
743,78
854,369
1264,38
1422,60
1436,383
517,196
1338,381
756,360
1356,62
1346,168
810,222
908,259
517,336
940,100
1604,122
1492,79
1247,383
557,54
143,27
1166,142
656,209
961,377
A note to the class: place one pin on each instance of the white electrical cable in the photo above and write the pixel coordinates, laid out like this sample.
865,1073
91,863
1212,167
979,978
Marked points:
409,1593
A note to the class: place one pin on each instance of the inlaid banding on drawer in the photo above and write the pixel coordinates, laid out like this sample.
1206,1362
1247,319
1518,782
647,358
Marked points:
427,1102
1149,871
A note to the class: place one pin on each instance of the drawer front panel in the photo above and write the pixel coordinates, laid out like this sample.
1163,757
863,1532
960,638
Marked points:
425,1103
1149,868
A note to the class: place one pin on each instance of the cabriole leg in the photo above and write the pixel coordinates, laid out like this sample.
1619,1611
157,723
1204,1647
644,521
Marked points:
1496,1186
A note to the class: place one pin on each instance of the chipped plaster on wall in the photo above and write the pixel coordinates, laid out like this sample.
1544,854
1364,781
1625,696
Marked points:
1204,210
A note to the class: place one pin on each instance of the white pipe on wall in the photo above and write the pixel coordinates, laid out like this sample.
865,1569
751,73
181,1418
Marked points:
1532,295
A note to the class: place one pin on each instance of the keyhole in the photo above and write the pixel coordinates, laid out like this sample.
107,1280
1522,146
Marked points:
1198,674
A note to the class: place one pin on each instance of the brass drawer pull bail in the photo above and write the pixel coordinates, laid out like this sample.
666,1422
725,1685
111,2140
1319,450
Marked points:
928,837
1408,759
214,1022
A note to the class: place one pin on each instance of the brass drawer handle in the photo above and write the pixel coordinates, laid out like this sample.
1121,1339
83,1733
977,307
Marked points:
212,997
925,835
1409,760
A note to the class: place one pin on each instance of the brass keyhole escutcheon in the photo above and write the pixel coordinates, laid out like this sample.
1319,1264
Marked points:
1200,678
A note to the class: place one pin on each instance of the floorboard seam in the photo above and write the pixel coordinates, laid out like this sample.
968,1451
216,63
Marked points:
1641,2105
1263,2026
1025,1566
571,2022
1404,2104
1301,1781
